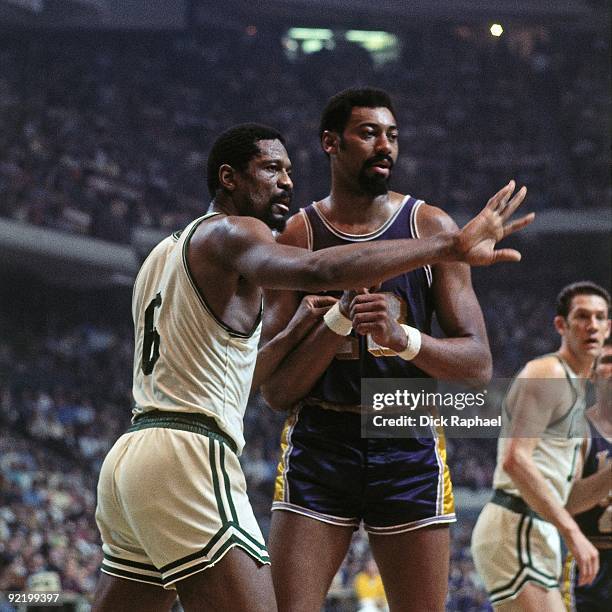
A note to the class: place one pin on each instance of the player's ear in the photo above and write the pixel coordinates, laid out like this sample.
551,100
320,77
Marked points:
330,141
560,324
227,177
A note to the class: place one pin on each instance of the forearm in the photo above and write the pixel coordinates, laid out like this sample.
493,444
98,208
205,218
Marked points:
273,352
466,359
298,372
537,494
355,265
588,492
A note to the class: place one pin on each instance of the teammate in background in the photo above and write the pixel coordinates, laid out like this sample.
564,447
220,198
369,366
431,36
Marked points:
515,542
595,521
171,496
329,478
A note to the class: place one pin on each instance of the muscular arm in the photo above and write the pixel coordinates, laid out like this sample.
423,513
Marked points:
532,408
464,354
245,246
309,313
299,370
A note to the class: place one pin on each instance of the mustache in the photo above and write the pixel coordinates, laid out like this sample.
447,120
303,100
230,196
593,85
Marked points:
378,158
286,194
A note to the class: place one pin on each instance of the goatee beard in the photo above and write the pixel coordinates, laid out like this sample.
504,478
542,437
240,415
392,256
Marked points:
373,185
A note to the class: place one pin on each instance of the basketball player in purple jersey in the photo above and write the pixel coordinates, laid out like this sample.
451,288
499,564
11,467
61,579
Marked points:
330,479
595,521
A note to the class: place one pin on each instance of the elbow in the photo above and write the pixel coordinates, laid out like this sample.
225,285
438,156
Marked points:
512,464
477,373
275,399
482,370
485,372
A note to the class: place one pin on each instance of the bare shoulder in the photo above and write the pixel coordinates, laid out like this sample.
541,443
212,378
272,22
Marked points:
432,220
543,367
218,235
296,232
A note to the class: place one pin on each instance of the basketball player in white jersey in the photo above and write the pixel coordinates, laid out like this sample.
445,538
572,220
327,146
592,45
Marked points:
172,505
515,542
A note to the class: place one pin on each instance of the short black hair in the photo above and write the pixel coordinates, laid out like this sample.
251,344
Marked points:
338,110
237,147
568,293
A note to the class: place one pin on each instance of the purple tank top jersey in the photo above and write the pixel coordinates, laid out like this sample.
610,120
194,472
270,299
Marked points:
412,301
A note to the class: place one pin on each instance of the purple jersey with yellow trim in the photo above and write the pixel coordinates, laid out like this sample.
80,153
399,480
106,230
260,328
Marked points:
412,302
327,470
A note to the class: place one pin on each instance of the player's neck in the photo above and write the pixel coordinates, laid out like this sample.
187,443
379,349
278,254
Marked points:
580,364
354,206
223,204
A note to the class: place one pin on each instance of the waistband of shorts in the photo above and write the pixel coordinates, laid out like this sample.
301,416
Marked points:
312,402
186,421
514,504
603,543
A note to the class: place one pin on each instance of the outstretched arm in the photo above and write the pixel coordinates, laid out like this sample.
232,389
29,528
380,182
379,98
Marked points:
464,356
245,246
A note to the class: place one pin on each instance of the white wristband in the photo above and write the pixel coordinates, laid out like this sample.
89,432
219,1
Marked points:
337,322
413,335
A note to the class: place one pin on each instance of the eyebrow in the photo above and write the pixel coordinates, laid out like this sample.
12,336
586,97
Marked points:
583,310
376,125
273,160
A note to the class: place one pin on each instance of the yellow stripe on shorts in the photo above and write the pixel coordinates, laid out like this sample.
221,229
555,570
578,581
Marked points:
448,499
280,483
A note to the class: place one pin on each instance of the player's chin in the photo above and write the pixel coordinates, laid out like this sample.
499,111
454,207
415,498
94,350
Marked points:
276,221
593,348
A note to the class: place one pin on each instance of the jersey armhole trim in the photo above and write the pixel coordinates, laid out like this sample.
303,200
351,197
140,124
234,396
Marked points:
308,226
414,228
205,304
574,392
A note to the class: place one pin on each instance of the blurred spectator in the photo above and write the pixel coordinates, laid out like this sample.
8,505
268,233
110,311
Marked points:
369,589
100,138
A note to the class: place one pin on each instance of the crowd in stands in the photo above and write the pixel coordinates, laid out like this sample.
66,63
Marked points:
107,133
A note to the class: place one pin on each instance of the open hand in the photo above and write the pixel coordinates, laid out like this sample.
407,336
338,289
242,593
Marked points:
476,241
586,555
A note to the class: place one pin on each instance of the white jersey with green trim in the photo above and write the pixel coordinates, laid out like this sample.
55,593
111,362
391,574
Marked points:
557,452
185,358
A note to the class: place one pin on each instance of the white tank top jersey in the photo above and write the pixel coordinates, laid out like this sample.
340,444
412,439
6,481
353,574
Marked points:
557,452
185,359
